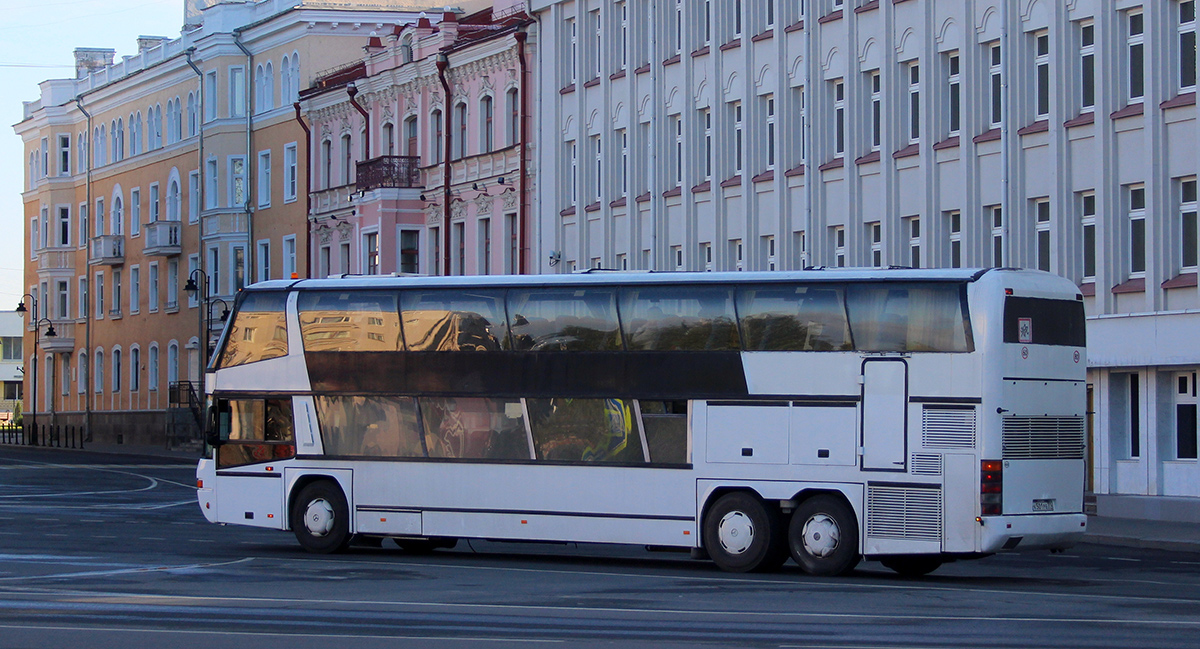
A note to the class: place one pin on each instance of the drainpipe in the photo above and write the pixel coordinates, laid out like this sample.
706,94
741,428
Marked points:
522,218
1005,215
87,281
352,90
443,62
200,129
250,162
307,191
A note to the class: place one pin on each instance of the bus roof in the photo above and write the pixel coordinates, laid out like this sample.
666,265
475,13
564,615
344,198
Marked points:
605,277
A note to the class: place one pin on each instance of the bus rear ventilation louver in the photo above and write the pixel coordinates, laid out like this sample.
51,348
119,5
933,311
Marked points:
947,427
1043,438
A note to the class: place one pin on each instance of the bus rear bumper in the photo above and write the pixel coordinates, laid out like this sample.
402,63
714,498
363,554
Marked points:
1031,532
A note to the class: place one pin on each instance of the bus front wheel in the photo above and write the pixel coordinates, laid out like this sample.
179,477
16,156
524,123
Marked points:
823,536
742,534
321,518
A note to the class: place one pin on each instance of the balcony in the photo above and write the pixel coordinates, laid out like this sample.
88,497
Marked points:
223,221
63,340
51,259
389,171
108,250
162,239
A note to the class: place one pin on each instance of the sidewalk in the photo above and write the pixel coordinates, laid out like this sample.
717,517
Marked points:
1142,533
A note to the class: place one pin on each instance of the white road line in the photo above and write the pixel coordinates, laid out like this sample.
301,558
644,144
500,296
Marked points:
1123,559
127,571
1186,563
276,634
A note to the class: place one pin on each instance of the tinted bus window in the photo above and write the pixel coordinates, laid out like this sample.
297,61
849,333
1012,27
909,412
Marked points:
253,430
349,321
585,430
258,331
665,423
572,319
1039,321
474,428
794,318
369,426
908,317
675,318
436,321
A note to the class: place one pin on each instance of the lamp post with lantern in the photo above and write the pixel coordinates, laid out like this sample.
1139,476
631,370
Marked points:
37,335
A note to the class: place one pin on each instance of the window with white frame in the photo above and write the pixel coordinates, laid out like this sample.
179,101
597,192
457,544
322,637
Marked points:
1187,433
1087,220
737,18
1187,225
289,256
706,118
876,232
1135,55
64,155
572,51
135,211
211,183
677,41
1087,67
598,167
597,47
487,123
84,301
193,196
738,138
263,261
135,369
135,289
995,85
1041,62
118,287
623,35
913,77
152,368
84,225
192,122
875,84
99,284
237,181
954,221
707,255
370,253
953,93
512,263
290,172
1187,46
839,117
116,370
623,141
1042,225
677,131
1136,216
237,91
513,101
152,288
769,101
769,250
155,204
101,215
62,300
913,229
118,215
573,171
98,375
485,246
677,257
264,178
239,268
344,258
64,225
995,216
839,245
801,138
737,251
173,284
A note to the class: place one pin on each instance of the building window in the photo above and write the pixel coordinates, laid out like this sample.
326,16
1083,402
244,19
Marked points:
152,289
64,155
1041,62
290,173
264,178
99,296
1185,416
1135,416
1087,67
263,259
597,151
737,250
770,102
677,256
706,116
237,181
623,138
623,39
955,222
677,130
152,368
1135,44
1137,231
459,233
485,246
99,373
211,183
707,255
514,117
289,257
839,246
1041,210
410,251
876,109
1088,221
1187,225
135,289
62,299
914,102
876,231
239,268
573,179
64,225
769,249
997,87
914,241
572,51
370,250
237,92
135,211
118,286
995,217
486,118
347,152
839,117
154,204
435,136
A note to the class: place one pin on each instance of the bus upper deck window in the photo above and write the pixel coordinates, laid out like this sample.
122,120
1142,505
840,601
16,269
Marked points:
258,331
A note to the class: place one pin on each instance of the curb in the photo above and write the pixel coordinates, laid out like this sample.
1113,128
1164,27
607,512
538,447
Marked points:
1146,544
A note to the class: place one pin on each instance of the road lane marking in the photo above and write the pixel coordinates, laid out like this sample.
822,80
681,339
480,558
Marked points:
276,634
128,571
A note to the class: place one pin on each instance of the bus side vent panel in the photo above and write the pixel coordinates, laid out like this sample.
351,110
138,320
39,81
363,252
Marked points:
896,512
1043,438
925,464
948,427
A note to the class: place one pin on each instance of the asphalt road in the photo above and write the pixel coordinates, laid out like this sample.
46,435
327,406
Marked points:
111,551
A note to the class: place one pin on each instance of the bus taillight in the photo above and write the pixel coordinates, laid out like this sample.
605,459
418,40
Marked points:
991,487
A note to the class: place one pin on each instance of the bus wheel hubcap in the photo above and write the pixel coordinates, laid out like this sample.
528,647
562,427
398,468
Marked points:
318,518
736,532
821,535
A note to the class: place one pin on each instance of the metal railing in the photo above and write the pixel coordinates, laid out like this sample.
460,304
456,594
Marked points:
389,171
48,435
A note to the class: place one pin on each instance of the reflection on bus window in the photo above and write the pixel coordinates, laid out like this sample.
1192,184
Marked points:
585,430
794,318
908,317
474,428
369,426
258,331
344,321
665,423
254,430
574,319
675,318
438,321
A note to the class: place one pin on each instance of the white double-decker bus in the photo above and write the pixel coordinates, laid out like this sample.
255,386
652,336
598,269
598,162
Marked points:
909,416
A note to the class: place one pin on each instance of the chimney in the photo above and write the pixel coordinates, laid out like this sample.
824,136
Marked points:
448,28
146,42
90,59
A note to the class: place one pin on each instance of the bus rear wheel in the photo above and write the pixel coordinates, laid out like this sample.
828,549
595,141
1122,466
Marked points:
742,534
321,518
917,565
823,536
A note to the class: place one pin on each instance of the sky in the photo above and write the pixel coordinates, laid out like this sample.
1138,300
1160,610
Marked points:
37,38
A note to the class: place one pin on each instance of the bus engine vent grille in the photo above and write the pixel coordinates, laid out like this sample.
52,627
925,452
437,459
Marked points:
896,512
1043,438
948,427
925,464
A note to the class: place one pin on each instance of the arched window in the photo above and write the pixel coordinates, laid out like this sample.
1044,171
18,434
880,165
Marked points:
460,125
152,367
296,87
116,370
118,214
326,164
514,116
135,133
406,49
285,79
82,156
103,145
485,123
99,374
173,200
135,374
389,140
173,362
191,114
435,136
113,141
268,90
82,384
410,132
347,161
158,126
119,140
177,121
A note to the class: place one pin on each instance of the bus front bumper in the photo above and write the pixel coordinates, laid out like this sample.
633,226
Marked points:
206,497
1031,532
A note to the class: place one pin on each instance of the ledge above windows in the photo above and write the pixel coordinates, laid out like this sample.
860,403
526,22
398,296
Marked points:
765,36
592,83
870,157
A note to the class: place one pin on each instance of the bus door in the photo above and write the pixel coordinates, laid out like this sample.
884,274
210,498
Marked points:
884,414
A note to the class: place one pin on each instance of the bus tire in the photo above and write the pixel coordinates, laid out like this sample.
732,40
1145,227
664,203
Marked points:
321,518
741,534
912,565
823,536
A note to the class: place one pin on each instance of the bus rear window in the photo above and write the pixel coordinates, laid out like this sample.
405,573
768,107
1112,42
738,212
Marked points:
258,331
908,317
1042,321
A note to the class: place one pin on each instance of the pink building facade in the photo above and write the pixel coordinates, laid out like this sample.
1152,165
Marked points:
420,152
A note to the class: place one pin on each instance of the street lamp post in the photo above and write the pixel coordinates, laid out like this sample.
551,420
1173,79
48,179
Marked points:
37,334
197,283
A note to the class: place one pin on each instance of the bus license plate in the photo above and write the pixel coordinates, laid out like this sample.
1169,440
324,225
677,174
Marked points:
1046,505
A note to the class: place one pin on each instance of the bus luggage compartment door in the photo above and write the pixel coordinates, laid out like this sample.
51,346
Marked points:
884,414
748,432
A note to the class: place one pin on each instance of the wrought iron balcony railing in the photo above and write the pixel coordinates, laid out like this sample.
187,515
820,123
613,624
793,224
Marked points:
389,171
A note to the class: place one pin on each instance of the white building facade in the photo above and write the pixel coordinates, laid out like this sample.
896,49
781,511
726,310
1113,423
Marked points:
725,134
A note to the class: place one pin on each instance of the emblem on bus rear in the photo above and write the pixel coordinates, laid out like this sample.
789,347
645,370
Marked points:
1025,330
